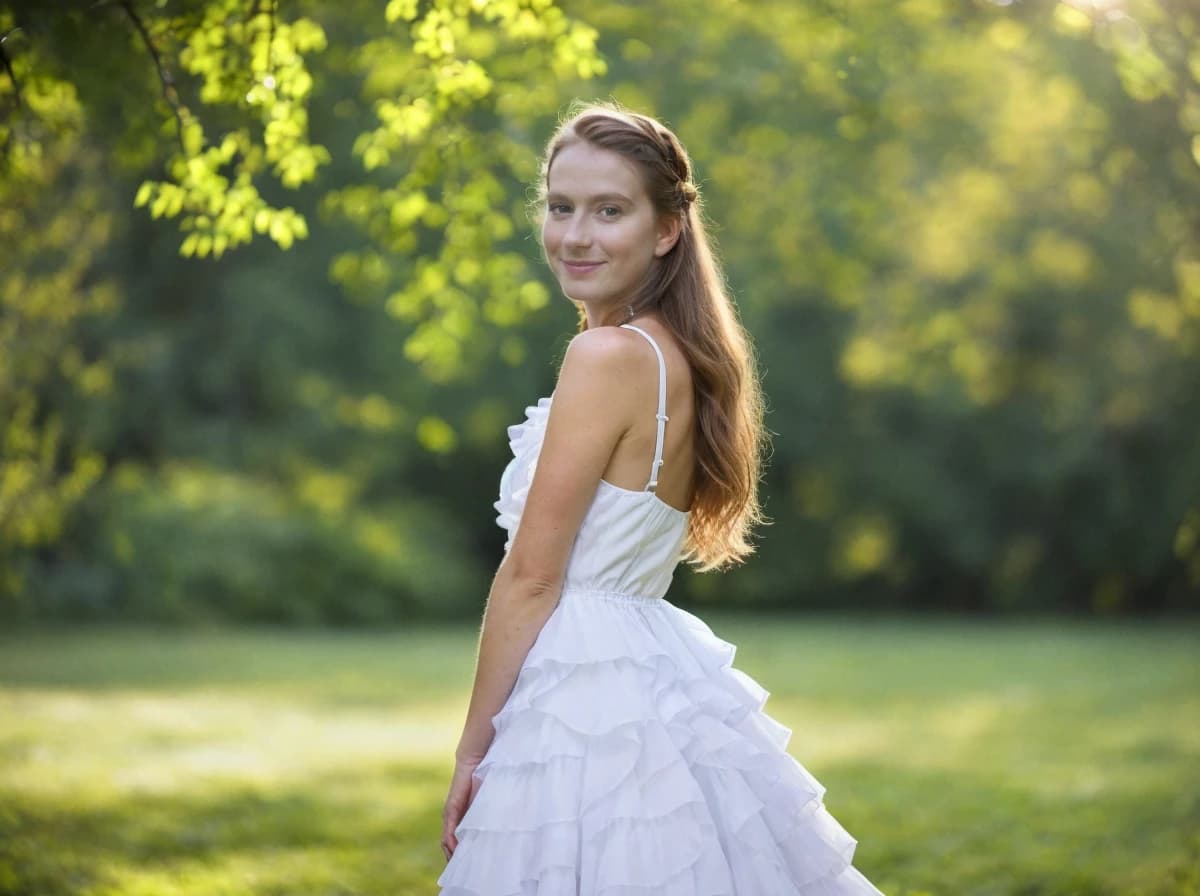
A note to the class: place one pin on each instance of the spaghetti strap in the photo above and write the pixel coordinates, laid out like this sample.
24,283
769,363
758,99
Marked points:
662,408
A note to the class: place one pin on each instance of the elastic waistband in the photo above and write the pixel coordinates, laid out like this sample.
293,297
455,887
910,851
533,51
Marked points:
600,594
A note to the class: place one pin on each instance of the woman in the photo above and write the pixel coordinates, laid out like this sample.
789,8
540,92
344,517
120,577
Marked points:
609,746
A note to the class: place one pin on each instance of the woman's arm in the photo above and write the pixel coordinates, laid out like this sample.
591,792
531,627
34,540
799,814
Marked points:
515,613
593,407
592,410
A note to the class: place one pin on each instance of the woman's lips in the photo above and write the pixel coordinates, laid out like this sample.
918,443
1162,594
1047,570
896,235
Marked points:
581,267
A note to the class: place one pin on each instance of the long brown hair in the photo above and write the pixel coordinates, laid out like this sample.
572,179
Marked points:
688,291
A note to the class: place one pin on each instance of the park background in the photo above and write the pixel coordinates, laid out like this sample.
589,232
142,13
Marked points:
270,294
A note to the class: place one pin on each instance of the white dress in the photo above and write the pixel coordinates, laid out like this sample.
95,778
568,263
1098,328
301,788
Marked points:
631,758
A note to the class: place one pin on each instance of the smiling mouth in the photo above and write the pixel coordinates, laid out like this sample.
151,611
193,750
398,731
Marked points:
581,267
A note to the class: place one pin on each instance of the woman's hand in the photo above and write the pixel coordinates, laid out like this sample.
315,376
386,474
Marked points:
463,788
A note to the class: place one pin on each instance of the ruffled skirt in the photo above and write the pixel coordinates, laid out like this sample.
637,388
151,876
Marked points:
632,759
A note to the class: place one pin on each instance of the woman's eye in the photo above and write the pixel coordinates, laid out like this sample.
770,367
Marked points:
610,211
558,208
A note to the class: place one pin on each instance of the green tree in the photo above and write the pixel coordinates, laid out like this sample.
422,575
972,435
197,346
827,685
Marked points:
209,103
53,218
966,241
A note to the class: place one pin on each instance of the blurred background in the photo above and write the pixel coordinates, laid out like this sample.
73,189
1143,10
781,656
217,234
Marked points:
270,295
966,238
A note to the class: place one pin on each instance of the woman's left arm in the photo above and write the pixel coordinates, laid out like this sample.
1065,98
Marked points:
590,413
516,611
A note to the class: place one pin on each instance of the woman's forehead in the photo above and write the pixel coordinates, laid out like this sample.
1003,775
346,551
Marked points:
584,168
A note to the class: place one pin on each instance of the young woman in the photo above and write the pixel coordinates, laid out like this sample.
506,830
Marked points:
610,747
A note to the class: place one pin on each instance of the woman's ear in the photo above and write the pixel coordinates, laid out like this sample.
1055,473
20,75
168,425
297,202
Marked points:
669,227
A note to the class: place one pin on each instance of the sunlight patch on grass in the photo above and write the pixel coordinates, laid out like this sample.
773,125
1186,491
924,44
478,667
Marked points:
114,742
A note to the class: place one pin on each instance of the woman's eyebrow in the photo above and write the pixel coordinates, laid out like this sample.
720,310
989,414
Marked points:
599,197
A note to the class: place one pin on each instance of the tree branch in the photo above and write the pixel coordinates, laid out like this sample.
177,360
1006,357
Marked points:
12,76
164,75
273,11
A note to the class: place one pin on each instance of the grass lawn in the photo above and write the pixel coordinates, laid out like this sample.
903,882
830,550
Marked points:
967,757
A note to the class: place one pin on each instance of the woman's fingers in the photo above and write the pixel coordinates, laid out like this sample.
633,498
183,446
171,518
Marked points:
449,841
463,787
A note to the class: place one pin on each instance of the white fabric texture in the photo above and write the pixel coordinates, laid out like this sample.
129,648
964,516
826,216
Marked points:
631,758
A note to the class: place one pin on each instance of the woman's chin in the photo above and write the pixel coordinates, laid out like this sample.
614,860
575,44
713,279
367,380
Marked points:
577,293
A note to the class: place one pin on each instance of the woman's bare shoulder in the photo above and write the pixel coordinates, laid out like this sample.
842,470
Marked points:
611,354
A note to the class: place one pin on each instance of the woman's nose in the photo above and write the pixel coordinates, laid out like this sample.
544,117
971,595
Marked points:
578,232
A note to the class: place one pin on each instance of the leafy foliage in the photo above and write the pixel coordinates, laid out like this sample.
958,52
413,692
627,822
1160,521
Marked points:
455,101
970,271
235,82
53,216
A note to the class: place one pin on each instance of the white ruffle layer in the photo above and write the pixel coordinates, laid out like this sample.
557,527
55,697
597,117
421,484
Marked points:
633,759
525,442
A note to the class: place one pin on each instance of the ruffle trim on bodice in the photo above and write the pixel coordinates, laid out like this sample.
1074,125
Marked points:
525,442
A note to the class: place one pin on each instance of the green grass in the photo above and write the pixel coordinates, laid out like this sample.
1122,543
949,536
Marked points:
967,757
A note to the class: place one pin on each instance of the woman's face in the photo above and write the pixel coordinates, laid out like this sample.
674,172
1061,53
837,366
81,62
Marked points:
600,231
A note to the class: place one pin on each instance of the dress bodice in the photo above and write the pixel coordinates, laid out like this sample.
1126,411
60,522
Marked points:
630,541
